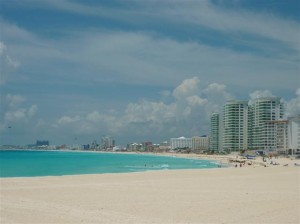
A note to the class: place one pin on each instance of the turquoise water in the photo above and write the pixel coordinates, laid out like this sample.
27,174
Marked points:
22,163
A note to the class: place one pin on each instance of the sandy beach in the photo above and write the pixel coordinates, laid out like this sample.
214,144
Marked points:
228,195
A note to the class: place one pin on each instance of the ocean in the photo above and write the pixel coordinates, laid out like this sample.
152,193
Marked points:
31,163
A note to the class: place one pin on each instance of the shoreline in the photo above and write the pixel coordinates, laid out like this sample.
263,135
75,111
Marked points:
210,163
225,161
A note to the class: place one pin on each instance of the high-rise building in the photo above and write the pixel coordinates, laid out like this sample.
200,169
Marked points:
134,146
215,132
259,125
294,135
277,135
164,146
262,129
235,125
200,143
42,143
107,142
180,143
250,126
147,146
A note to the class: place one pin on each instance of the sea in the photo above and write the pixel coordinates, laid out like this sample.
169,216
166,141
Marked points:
33,163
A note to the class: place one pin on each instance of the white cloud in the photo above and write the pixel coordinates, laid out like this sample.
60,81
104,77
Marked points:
87,124
186,114
96,117
217,95
2,48
11,62
260,93
14,100
238,22
197,13
187,88
67,120
20,115
8,65
293,105
245,59
143,58
69,6
196,100
32,111
14,113
147,111
217,92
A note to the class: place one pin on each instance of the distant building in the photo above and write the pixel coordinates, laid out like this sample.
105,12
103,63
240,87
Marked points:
164,146
276,137
134,146
294,135
42,143
200,144
107,142
94,145
147,146
216,130
235,125
181,143
255,125
86,147
262,113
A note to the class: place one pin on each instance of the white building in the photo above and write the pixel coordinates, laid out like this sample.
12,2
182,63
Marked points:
200,143
164,146
276,137
107,142
294,135
235,125
180,143
263,111
134,146
257,125
215,129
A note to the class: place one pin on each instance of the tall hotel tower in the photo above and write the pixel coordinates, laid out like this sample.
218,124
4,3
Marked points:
263,128
235,125
215,142
294,134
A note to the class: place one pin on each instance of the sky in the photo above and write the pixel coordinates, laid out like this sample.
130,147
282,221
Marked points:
72,71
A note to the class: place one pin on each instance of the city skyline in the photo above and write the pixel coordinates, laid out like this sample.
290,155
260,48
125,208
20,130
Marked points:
139,71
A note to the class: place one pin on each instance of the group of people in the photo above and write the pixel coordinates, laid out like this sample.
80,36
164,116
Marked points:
241,165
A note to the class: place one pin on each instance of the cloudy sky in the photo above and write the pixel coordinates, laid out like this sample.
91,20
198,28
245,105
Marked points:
72,71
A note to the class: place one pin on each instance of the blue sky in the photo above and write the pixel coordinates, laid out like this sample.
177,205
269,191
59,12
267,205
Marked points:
139,70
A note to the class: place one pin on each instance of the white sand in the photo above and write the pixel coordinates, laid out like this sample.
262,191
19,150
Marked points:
232,195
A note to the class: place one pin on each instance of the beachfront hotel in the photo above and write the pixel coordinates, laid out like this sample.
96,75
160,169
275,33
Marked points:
180,143
294,134
196,143
255,125
215,130
276,135
235,125
200,143
263,131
